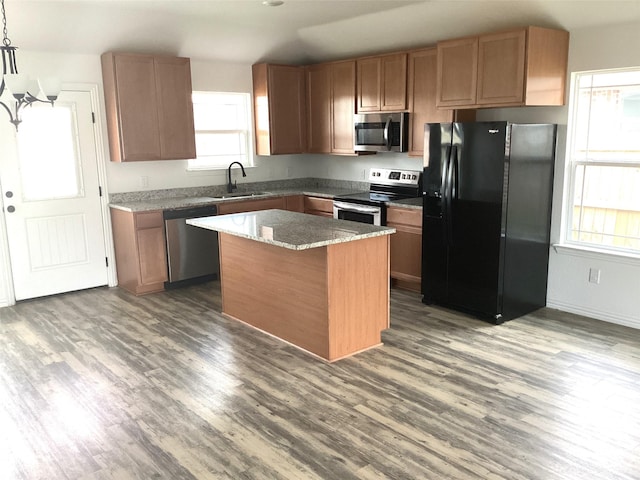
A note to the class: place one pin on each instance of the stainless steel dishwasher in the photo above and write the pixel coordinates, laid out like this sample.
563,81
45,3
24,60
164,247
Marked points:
192,252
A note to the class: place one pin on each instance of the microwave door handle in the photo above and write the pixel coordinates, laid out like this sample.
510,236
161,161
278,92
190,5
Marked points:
386,136
355,208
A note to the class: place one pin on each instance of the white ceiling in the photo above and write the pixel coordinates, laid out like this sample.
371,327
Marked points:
300,31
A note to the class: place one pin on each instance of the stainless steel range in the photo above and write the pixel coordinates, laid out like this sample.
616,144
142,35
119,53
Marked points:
386,185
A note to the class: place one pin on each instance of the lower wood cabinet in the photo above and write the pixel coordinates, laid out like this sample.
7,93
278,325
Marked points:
294,203
318,206
141,255
406,247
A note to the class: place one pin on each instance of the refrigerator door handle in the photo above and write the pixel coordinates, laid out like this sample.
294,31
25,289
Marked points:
450,192
445,195
453,190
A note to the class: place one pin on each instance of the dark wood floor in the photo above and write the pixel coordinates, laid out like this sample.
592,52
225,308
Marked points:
103,385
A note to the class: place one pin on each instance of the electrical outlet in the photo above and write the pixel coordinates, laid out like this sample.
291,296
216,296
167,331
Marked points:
363,174
594,275
144,181
288,172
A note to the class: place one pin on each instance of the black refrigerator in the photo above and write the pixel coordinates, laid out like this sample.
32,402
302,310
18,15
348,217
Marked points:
487,190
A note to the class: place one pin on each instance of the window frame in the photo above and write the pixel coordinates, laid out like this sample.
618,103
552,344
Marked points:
572,165
250,153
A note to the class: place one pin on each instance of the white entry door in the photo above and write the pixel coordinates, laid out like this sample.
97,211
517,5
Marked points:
51,199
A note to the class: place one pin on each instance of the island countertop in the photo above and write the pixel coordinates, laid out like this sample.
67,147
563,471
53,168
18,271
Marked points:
292,230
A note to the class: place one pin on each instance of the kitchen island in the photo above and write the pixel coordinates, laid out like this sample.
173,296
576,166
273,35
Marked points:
318,283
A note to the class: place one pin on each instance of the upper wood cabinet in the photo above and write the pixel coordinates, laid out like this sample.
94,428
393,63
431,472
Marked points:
382,83
331,91
318,108
422,97
527,66
279,109
148,106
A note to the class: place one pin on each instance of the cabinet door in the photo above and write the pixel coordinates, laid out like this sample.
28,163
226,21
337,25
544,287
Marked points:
343,99
457,72
393,88
152,250
422,98
252,205
369,87
286,109
406,246
175,108
501,61
152,255
134,124
319,108
294,203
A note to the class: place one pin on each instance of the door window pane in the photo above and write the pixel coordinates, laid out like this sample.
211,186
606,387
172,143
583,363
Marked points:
48,153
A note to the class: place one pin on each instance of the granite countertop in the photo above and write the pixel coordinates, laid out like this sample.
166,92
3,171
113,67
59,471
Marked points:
295,231
171,203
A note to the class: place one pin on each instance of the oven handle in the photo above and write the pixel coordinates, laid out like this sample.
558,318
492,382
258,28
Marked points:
355,208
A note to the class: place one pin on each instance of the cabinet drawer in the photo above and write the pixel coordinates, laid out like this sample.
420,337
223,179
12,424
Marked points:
404,216
148,219
318,204
252,205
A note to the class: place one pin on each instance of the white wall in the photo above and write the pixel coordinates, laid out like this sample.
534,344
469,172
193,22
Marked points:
617,297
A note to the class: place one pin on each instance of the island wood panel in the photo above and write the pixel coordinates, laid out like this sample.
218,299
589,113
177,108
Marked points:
358,295
280,291
331,301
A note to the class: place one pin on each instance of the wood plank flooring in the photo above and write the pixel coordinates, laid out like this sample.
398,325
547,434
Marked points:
100,384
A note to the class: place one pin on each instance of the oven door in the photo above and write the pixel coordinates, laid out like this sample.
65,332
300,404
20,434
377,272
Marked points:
357,213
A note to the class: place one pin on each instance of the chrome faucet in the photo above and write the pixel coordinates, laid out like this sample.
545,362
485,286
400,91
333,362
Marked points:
231,186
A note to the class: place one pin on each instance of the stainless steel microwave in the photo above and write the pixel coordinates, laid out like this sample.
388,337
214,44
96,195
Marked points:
381,132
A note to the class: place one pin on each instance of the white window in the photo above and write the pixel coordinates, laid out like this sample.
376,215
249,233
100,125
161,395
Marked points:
604,159
223,130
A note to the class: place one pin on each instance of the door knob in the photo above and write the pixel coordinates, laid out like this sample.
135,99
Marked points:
11,209
9,194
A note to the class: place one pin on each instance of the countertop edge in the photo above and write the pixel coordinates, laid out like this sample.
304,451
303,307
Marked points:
307,246
170,203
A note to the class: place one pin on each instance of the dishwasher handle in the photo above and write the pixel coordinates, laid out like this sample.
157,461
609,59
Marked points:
190,212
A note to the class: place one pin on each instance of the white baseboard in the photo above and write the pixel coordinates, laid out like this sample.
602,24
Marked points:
627,321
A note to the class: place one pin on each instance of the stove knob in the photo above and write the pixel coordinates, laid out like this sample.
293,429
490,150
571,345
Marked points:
413,177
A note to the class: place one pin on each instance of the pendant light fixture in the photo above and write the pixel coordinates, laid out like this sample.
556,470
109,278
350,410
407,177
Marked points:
24,91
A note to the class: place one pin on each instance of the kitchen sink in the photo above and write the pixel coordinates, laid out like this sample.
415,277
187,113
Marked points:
243,194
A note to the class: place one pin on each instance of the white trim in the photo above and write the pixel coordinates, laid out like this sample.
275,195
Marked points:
7,296
571,165
597,254
627,321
